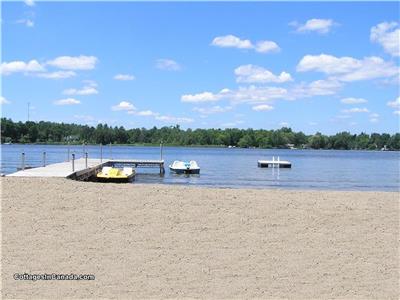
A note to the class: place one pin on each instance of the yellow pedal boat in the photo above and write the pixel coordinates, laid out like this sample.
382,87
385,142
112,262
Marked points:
110,174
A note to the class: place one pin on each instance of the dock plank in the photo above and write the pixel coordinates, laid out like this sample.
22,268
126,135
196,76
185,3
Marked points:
63,169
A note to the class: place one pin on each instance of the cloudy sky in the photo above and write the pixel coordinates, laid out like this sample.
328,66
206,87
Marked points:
323,67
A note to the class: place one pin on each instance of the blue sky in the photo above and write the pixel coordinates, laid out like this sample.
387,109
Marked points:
324,67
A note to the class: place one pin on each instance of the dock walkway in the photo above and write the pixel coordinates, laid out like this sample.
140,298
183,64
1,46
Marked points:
81,171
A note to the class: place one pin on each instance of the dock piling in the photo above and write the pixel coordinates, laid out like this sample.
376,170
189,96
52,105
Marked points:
73,162
68,152
23,161
44,158
86,157
161,150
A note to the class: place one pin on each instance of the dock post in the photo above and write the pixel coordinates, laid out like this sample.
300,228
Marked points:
86,156
68,152
44,158
23,161
161,149
73,162
101,153
162,170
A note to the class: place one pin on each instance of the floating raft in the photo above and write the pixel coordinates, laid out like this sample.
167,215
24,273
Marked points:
274,163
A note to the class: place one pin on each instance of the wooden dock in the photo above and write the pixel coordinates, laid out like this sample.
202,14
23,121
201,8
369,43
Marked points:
82,169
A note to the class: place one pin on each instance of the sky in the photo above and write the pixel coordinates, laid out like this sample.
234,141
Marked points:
326,67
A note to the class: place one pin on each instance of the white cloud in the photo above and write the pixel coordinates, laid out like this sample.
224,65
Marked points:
146,113
351,100
167,64
212,110
266,47
312,123
89,89
262,107
175,120
201,97
374,118
81,62
397,112
284,124
21,66
314,88
355,110
123,105
4,100
394,103
348,68
256,74
317,25
231,41
124,77
26,22
68,101
388,35
56,75
29,2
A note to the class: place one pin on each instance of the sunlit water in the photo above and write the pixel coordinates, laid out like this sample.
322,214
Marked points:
223,167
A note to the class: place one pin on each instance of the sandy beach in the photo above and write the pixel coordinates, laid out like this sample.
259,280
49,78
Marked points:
160,241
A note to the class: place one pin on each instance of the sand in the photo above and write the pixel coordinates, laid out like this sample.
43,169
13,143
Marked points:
159,241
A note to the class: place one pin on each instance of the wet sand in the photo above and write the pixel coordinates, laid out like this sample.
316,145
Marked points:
159,241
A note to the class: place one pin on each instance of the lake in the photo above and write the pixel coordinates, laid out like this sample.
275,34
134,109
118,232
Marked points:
234,167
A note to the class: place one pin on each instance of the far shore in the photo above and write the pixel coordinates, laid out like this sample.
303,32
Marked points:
167,241
196,146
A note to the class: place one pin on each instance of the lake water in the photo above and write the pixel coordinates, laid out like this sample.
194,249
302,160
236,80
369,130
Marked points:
234,167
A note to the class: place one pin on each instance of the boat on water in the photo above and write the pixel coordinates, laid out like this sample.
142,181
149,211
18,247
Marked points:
110,174
184,167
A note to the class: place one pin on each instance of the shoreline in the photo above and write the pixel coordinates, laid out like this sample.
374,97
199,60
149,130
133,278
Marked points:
169,241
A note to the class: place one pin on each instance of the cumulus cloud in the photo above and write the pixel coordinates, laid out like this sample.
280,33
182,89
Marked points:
348,68
123,105
29,2
395,103
81,62
248,94
21,67
145,113
26,22
355,110
388,36
201,97
266,47
315,88
167,64
351,100
231,41
56,74
124,77
68,101
322,26
256,74
262,107
174,120
88,89
212,110
4,100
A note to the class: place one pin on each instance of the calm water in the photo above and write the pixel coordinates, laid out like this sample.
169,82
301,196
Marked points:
223,167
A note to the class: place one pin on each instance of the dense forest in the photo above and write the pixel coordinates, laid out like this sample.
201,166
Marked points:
50,132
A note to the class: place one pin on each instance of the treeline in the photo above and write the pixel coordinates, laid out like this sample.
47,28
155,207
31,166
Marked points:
50,132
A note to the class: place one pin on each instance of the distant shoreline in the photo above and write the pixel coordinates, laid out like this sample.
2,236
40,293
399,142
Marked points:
197,146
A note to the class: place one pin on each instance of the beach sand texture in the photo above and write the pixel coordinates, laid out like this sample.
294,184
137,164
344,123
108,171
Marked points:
160,241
